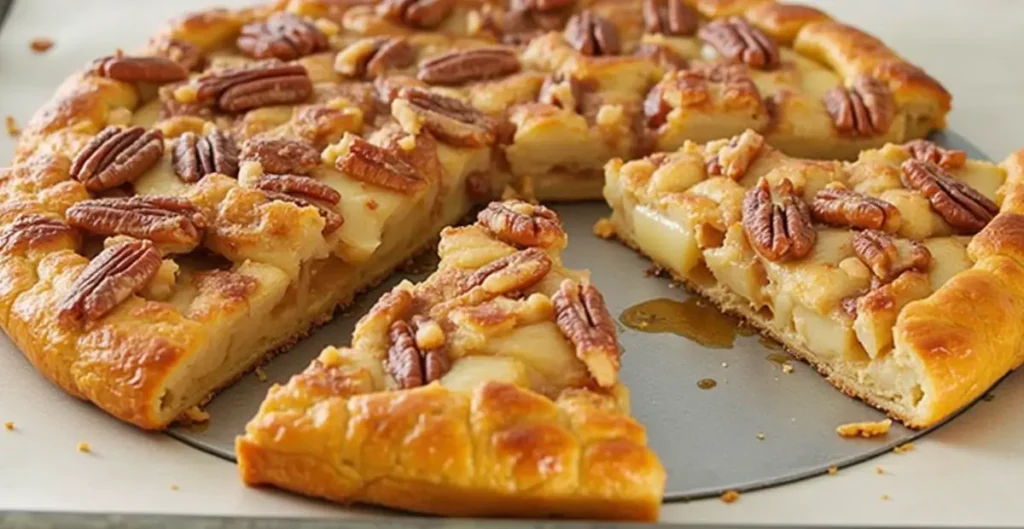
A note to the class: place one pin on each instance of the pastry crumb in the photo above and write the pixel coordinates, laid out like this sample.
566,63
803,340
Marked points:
725,364
175,487
833,470
760,436
40,44
261,375
864,429
84,447
879,470
9,425
885,497
786,368
904,448
13,130
194,415
604,228
729,496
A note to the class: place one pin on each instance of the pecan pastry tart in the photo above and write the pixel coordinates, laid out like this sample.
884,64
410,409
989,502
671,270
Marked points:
496,374
888,273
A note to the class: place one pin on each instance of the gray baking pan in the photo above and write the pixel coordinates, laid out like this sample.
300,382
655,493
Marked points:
760,425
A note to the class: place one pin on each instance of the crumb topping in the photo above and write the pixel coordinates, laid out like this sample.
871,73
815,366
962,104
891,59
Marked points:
864,429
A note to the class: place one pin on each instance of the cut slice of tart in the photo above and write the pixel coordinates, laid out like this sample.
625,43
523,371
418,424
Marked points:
898,276
489,389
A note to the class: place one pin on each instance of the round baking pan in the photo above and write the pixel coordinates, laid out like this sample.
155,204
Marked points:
740,416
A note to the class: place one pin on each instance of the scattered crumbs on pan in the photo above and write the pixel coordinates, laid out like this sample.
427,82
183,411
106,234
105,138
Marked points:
904,448
760,436
885,497
175,487
84,447
879,470
725,364
729,496
9,426
654,271
864,429
261,375
786,368
41,44
989,397
833,470
604,228
13,130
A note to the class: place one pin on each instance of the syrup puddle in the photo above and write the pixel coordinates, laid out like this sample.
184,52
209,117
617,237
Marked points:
692,318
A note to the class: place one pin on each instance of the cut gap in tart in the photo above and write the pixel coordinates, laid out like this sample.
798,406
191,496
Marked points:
489,389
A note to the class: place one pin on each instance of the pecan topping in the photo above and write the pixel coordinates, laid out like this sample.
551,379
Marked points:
303,186
540,5
865,109
838,206
562,90
927,151
735,39
376,165
662,55
196,156
513,273
963,207
259,84
734,158
888,257
522,224
282,36
779,232
173,223
449,119
281,155
139,69
332,220
116,156
409,364
416,13
370,58
463,66
592,34
525,19
696,87
670,17
188,55
113,276
584,319
28,230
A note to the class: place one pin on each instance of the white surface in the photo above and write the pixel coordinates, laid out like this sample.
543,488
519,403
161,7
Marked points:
969,472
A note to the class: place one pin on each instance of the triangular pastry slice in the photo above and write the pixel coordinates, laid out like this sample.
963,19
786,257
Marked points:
898,276
489,389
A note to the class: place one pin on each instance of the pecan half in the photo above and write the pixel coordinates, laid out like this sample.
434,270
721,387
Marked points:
139,69
281,36
416,13
378,166
173,223
561,90
670,17
302,186
734,158
697,87
963,207
592,34
196,156
29,230
778,232
281,155
888,257
584,319
526,19
478,64
927,151
332,219
522,224
113,276
188,55
513,273
449,119
116,156
837,206
370,58
255,85
411,364
866,108
661,55
735,39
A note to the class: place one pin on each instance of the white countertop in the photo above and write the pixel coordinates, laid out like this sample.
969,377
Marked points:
969,472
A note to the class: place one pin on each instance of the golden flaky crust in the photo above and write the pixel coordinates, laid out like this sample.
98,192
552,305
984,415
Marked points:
915,317
519,424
